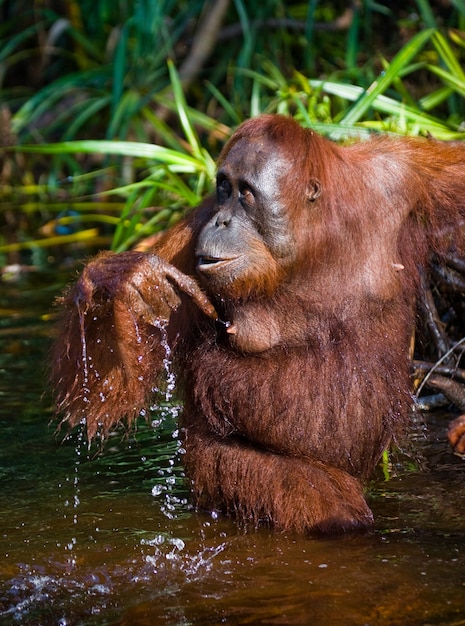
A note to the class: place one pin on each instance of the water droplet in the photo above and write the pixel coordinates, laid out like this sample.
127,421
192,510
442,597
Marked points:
157,490
178,543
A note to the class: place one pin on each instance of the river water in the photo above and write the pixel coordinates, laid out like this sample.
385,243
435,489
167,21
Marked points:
109,538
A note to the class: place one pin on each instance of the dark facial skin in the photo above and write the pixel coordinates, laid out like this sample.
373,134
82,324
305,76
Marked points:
249,236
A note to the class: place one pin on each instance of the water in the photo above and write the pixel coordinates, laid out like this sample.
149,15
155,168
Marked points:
88,538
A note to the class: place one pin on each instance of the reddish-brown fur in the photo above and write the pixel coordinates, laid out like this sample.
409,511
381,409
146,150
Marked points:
286,416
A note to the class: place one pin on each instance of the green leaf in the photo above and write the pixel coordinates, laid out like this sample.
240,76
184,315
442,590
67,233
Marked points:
191,136
181,106
447,55
456,83
398,63
119,148
389,106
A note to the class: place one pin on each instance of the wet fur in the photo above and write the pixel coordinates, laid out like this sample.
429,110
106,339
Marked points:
284,421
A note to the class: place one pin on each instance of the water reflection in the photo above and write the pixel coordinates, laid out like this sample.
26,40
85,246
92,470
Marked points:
111,539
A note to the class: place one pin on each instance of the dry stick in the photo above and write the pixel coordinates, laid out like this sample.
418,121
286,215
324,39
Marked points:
444,370
449,277
432,320
343,22
457,263
205,39
441,360
454,391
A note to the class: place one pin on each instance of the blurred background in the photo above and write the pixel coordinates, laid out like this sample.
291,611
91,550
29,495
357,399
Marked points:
112,113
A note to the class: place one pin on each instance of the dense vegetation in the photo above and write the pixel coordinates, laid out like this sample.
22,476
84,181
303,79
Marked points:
112,114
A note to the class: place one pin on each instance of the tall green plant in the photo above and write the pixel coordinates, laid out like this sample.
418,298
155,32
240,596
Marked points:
170,179
117,75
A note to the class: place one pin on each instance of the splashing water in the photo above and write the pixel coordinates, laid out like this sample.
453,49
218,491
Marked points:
166,551
80,449
84,355
169,478
170,376
173,506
